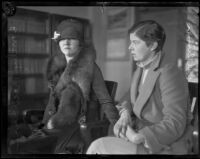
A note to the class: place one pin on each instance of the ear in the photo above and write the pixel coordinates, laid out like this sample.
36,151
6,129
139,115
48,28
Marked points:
154,45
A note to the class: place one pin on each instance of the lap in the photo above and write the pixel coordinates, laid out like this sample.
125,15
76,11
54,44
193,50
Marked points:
114,145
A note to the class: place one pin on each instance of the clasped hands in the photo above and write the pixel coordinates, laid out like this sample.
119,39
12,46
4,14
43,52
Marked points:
123,129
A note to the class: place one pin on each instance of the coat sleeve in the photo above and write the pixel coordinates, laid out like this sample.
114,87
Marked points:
174,97
125,103
103,96
50,108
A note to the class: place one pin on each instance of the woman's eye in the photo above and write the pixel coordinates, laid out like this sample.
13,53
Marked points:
136,42
133,43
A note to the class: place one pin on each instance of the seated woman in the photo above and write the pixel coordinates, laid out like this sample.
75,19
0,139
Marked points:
155,117
75,80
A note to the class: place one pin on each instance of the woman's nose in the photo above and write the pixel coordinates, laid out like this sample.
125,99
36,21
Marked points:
130,47
67,41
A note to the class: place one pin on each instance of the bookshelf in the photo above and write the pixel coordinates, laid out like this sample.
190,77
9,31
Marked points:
28,51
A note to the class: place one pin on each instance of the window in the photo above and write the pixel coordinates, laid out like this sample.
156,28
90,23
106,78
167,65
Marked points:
192,37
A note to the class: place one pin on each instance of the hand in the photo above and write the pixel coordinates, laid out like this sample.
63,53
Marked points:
121,125
134,137
50,124
38,133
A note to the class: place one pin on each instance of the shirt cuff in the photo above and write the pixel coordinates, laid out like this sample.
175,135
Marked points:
123,107
122,110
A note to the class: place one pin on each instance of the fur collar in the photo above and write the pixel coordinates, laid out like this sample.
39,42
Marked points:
79,70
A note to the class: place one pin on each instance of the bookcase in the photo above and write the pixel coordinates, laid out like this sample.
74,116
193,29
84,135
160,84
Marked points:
28,51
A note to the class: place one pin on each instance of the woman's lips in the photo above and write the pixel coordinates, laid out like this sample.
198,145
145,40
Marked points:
132,54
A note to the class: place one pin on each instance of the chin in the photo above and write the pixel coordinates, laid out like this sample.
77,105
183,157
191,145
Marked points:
67,53
135,59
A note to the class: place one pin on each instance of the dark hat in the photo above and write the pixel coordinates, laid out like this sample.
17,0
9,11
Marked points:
69,28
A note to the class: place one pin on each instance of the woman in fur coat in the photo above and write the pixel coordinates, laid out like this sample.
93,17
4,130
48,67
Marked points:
75,63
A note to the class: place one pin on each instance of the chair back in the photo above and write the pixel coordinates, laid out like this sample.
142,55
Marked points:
112,88
193,90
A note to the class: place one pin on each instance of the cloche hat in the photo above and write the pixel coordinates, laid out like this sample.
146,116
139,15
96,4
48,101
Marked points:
69,28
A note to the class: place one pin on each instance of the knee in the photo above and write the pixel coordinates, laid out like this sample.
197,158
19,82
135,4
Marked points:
94,147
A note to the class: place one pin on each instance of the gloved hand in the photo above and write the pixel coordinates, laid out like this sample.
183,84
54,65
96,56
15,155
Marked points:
134,137
120,127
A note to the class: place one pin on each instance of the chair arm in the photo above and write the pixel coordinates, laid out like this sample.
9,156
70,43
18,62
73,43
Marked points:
32,116
98,129
195,135
98,124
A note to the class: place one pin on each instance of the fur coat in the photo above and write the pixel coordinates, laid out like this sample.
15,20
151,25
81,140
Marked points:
70,85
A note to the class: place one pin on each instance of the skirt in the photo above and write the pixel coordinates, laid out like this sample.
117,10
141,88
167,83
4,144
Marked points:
114,145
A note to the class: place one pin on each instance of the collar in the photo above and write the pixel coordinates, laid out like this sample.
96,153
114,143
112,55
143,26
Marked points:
74,58
150,61
68,58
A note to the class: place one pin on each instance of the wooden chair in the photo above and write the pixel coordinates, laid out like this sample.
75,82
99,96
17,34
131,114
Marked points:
101,127
193,89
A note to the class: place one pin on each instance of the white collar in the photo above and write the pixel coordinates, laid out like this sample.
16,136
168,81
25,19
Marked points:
68,58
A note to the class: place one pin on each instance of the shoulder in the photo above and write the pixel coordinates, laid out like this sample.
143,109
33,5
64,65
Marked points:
90,51
172,77
57,61
97,68
169,67
171,70
55,65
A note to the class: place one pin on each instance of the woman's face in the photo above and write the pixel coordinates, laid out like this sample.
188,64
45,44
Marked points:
70,47
138,48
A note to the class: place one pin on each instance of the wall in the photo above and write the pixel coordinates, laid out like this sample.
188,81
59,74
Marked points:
69,11
99,39
116,70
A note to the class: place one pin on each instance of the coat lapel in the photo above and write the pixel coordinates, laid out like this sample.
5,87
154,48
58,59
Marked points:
147,87
145,92
134,84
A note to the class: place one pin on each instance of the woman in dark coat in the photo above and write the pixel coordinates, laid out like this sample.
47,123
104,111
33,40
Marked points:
76,63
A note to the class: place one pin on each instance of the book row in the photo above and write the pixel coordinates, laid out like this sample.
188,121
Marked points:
33,85
17,44
30,25
26,65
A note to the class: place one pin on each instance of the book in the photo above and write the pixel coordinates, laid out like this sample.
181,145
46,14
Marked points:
30,85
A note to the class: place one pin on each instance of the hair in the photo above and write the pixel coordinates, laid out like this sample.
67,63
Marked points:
150,31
